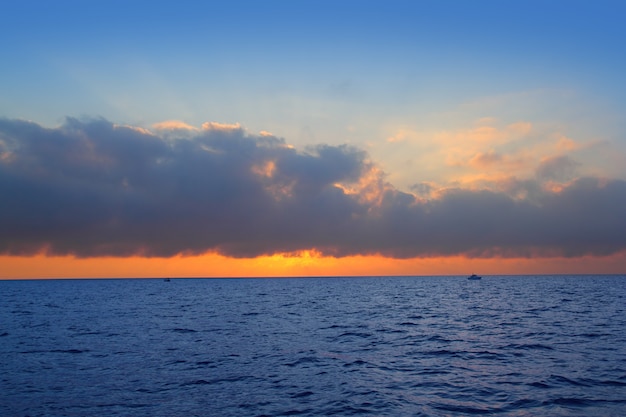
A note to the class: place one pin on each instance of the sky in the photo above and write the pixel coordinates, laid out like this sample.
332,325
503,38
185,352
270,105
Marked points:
307,138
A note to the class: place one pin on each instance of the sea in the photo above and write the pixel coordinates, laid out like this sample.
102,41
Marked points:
331,346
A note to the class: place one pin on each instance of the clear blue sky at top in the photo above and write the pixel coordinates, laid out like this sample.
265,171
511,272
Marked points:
275,65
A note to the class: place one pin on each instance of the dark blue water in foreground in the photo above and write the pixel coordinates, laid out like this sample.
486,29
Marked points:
432,346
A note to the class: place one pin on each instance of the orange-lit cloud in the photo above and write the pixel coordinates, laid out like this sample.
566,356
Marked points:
267,169
488,152
173,125
485,144
92,189
401,135
221,126
456,156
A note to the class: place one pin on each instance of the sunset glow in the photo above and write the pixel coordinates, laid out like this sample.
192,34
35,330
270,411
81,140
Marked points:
295,265
406,139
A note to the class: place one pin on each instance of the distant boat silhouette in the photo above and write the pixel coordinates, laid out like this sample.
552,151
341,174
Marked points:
474,277
166,280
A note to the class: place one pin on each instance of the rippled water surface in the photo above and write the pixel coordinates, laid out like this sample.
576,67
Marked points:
410,346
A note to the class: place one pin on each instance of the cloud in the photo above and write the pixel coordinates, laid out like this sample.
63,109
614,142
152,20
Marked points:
486,159
224,127
92,188
490,152
173,125
559,168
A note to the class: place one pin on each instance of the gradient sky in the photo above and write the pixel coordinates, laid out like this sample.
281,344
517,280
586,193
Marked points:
312,138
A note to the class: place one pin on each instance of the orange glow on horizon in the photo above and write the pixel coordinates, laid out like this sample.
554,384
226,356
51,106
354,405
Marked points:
302,264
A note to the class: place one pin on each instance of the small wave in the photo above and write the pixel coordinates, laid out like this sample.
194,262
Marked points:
437,371
561,380
303,361
302,394
354,334
508,323
150,391
22,312
521,404
528,346
485,354
124,405
294,412
88,334
197,382
542,385
612,383
336,326
183,330
570,401
391,331
357,362
537,310
593,335
464,409
441,352
339,408
437,338
214,381
72,351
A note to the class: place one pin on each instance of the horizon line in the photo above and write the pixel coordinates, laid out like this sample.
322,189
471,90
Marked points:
308,276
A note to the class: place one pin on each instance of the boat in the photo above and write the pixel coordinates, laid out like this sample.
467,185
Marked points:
474,277
166,280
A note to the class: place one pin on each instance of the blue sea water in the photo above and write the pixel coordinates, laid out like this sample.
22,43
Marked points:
384,346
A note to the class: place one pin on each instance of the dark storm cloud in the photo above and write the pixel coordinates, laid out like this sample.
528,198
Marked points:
92,188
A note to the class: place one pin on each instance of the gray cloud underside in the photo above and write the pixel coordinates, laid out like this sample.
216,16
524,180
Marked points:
91,188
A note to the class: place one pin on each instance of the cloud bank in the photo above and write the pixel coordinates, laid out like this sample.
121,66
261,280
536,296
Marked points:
92,188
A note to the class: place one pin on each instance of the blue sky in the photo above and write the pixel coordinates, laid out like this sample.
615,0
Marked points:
148,61
311,70
439,95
